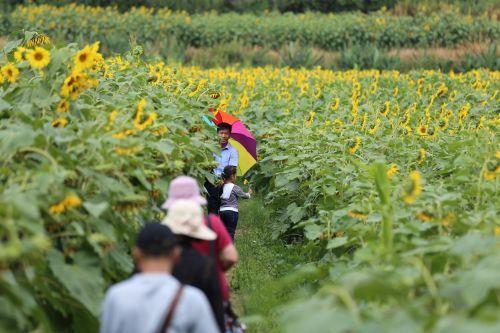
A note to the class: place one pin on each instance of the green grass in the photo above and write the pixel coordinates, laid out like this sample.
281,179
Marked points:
263,279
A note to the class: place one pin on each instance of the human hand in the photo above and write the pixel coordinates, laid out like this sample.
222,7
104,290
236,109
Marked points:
250,191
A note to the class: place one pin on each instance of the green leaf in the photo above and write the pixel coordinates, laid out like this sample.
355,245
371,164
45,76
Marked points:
336,242
15,137
11,46
83,279
4,105
295,213
163,146
95,209
313,231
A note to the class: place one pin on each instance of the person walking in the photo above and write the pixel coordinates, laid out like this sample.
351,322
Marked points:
152,300
222,248
229,200
228,156
185,219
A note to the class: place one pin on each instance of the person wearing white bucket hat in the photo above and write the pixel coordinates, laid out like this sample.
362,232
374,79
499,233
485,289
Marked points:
185,219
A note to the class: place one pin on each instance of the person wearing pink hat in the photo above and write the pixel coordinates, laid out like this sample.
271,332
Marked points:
186,188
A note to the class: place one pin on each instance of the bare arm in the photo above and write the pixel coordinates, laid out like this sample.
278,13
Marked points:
228,257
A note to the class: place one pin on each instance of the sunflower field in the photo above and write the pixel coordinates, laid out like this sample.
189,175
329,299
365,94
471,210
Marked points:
88,148
396,177
393,177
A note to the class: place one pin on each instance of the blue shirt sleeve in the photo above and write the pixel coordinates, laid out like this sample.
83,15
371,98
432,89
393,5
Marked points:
233,158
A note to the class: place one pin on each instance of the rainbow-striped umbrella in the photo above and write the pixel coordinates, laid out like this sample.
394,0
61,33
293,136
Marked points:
241,139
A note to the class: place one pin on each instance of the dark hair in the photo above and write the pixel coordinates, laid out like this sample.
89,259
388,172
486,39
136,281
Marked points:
228,172
156,240
223,126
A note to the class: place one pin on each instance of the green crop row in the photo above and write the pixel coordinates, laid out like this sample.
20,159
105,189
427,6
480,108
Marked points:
395,178
392,178
160,29
200,6
79,175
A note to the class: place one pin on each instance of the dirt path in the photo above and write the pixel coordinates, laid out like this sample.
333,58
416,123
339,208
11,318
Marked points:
257,290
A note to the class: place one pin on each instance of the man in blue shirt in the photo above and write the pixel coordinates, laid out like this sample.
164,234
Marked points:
228,156
153,298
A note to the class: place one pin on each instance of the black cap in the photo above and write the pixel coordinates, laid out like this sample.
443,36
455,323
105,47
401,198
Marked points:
156,239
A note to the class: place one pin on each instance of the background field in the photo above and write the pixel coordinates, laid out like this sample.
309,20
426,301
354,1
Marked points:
446,39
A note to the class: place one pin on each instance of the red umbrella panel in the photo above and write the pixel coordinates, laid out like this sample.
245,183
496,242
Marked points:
223,117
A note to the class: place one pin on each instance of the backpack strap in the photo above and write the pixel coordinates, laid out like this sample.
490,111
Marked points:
171,309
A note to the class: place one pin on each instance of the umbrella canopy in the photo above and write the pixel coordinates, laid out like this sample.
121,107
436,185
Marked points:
241,139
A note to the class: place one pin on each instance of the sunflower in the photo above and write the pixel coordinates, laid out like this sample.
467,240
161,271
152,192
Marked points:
160,131
422,130
491,175
441,90
63,106
214,95
75,83
38,57
85,57
443,123
357,215
155,78
128,151
421,155
375,127
151,118
310,119
386,109
423,216
356,145
59,122
111,119
480,123
335,105
448,219
57,209
123,134
20,54
10,72
392,171
68,202
464,111
38,40
363,123
72,201
68,85
414,188
138,114
337,125
395,92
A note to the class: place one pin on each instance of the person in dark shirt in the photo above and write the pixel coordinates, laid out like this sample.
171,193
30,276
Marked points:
185,219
